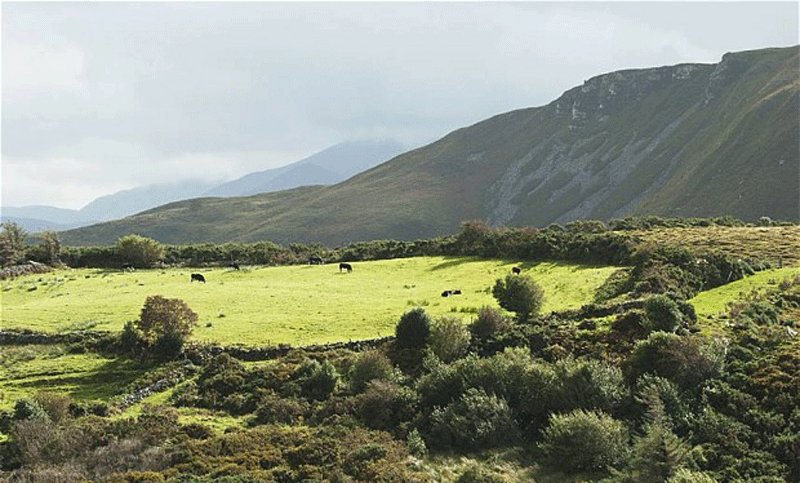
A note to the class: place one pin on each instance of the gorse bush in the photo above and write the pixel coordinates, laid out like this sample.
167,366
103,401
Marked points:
584,441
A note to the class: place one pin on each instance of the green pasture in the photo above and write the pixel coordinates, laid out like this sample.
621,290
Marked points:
711,304
297,305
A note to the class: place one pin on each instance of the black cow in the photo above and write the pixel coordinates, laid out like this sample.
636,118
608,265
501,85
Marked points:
199,277
127,267
345,266
516,270
234,266
456,292
447,293
315,260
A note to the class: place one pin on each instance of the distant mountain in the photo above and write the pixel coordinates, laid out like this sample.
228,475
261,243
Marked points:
330,166
110,207
39,218
684,140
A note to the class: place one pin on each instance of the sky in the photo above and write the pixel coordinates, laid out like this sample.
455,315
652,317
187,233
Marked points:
103,96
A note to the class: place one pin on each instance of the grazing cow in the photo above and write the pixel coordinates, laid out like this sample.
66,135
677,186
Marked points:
516,270
456,292
345,266
315,260
447,293
199,277
234,266
127,267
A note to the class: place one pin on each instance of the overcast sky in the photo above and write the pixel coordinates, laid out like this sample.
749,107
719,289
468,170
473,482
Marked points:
99,97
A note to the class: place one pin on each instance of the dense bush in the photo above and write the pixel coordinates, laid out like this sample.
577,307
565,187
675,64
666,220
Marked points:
139,251
587,384
476,421
685,360
12,243
161,316
317,380
386,405
413,329
370,365
449,338
584,441
663,313
519,294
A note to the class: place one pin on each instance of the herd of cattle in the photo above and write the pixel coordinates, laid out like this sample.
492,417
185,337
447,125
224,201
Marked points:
199,277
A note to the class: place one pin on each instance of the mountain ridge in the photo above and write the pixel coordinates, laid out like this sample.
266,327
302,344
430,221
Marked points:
683,140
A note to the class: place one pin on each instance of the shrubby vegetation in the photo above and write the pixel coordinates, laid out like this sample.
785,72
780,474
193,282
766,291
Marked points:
623,390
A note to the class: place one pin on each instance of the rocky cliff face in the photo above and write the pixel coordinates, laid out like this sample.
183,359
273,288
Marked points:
624,137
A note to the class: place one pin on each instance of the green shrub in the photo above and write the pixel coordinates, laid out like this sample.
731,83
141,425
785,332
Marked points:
29,409
684,360
139,251
663,313
386,405
316,380
55,404
131,340
162,316
476,421
168,346
684,475
584,441
588,384
369,366
273,409
415,444
487,324
519,294
449,338
413,329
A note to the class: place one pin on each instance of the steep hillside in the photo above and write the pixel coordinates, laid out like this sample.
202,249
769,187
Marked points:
685,140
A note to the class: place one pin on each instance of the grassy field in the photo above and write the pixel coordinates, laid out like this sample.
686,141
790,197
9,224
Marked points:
293,304
711,304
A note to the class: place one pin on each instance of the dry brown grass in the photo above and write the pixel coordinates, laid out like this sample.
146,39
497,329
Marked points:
769,244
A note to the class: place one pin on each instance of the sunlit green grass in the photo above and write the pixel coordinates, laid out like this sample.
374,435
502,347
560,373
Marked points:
27,370
291,304
709,305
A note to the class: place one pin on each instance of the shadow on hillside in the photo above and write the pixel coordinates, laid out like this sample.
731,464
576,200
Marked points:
106,381
451,262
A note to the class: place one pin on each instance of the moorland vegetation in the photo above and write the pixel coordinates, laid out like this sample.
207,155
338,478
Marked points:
633,387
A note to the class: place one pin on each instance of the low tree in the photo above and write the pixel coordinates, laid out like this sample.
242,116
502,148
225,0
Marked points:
50,246
413,329
139,251
519,294
449,338
12,243
162,317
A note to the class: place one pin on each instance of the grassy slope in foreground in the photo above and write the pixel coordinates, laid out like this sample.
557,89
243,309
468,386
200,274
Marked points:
297,305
